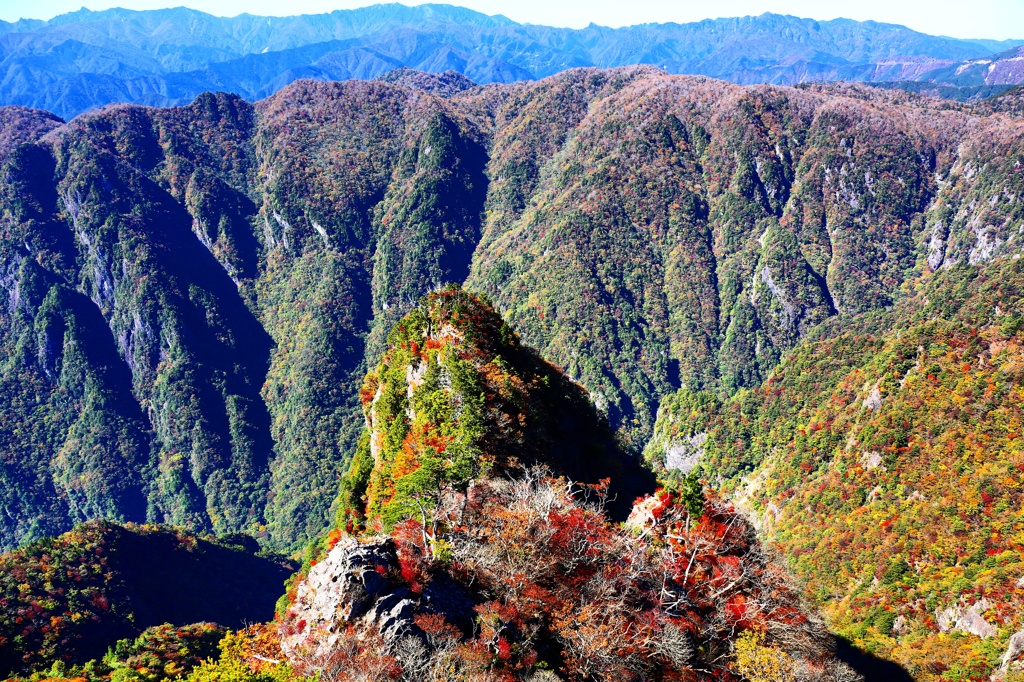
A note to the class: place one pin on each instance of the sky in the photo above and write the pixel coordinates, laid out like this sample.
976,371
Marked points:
998,19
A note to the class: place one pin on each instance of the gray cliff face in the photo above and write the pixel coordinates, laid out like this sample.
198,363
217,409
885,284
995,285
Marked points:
354,586
1012,657
347,587
967,619
684,455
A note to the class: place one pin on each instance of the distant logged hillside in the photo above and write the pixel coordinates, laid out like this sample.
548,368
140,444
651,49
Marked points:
86,59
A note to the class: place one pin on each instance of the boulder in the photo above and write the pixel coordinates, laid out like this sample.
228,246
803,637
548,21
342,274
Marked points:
354,586
393,614
967,619
340,589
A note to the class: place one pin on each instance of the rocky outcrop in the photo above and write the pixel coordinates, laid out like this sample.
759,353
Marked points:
348,584
968,619
643,516
393,614
1014,652
871,460
355,584
684,455
873,401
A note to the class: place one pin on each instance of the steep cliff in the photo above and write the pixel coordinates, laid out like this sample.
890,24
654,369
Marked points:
195,294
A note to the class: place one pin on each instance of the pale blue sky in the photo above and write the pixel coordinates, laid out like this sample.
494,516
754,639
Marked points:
999,19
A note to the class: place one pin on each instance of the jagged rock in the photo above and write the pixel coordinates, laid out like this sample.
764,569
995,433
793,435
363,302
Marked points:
349,587
969,619
341,588
1014,650
393,614
683,456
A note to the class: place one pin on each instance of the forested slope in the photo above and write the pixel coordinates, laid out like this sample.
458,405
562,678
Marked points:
884,458
194,294
70,598
686,232
474,538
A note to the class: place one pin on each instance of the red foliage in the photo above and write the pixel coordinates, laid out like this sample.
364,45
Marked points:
650,603
504,649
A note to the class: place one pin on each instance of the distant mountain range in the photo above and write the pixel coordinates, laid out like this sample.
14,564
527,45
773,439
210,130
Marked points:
86,59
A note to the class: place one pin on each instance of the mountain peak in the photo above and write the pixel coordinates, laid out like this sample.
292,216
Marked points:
443,84
457,396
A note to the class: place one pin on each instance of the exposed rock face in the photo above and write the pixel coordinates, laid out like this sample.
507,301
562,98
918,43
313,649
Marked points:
685,455
393,614
874,400
969,619
351,586
347,585
1014,651
937,248
871,460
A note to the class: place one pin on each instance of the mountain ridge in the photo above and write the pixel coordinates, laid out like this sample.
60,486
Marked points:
193,297
231,270
162,57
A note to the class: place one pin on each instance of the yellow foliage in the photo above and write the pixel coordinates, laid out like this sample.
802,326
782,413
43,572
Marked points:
247,655
759,663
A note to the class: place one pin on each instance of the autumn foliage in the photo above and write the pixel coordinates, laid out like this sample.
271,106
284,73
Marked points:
557,587
886,461
70,598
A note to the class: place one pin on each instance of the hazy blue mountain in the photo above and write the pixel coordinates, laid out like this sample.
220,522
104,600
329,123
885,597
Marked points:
1004,68
85,59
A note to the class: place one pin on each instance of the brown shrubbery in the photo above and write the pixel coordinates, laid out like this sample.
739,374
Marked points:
558,587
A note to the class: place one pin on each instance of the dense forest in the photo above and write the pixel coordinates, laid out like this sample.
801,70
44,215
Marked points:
884,457
214,317
68,599
461,551
194,294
